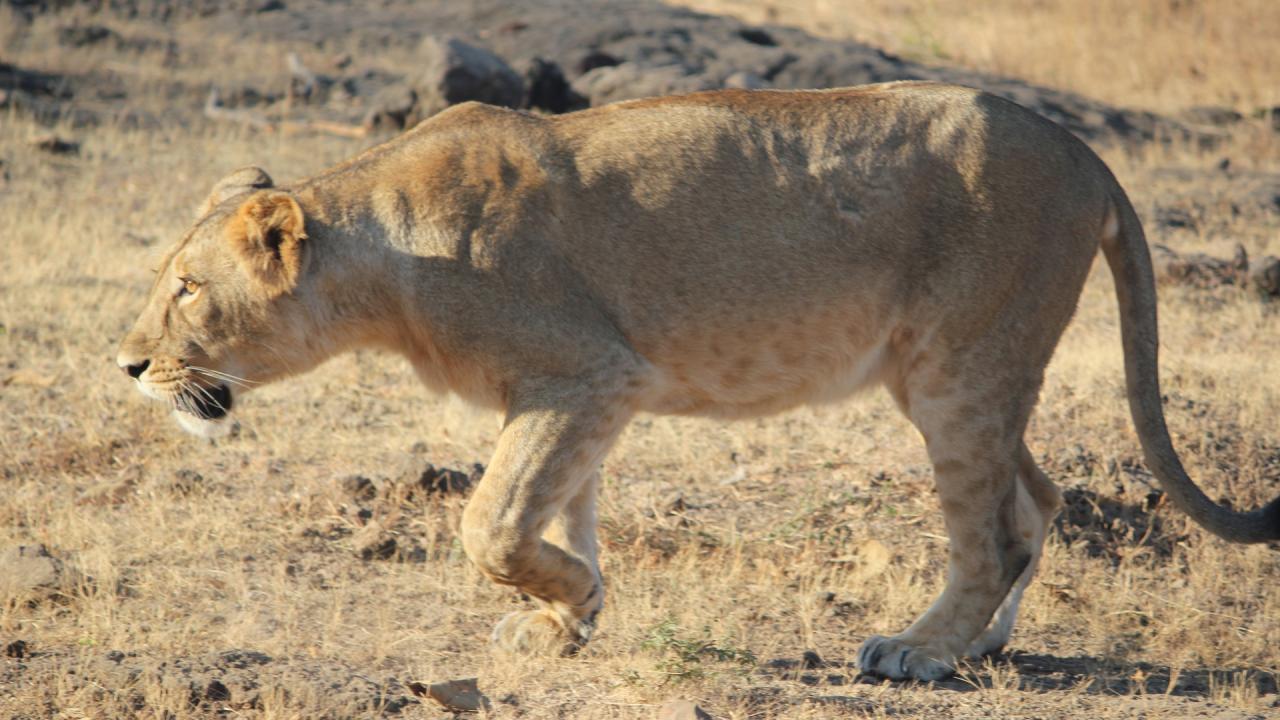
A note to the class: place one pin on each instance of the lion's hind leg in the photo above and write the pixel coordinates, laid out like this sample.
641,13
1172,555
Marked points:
972,425
1037,502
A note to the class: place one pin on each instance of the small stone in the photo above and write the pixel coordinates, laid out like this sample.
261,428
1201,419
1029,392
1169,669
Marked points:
217,692
595,59
187,481
745,81
76,36
17,649
756,36
1264,277
374,542
1198,269
55,145
443,481
682,710
462,696
812,660
1216,115
359,487
390,108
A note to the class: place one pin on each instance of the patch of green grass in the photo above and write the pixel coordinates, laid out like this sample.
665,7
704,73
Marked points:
684,656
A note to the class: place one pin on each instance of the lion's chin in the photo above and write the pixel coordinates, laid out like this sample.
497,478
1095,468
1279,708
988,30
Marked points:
211,428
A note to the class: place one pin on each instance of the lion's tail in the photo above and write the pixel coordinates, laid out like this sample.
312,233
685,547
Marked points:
1125,248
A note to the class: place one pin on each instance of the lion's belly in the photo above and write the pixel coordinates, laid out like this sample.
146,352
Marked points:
767,367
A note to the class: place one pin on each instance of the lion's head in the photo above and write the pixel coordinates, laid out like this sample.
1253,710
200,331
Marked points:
222,305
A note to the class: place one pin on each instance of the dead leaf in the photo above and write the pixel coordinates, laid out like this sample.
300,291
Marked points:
454,695
874,558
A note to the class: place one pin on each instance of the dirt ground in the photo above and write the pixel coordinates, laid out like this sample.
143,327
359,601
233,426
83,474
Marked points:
308,565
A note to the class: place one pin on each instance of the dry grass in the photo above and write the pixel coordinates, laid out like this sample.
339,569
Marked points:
1163,55
730,549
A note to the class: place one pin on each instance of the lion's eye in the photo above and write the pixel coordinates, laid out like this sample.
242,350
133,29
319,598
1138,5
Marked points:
189,287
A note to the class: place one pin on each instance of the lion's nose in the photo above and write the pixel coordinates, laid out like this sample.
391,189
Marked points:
135,370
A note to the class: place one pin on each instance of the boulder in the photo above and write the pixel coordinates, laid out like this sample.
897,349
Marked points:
547,89
631,80
455,72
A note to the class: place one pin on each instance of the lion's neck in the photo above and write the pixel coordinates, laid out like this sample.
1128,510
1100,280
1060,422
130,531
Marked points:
368,286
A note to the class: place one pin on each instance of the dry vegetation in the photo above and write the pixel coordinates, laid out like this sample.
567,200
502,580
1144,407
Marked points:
730,549
1163,55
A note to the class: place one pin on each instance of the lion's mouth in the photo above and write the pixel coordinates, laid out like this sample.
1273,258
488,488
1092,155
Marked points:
209,403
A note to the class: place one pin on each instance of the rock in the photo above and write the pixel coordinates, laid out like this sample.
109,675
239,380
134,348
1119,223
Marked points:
811,660
444,481
454,695
455,72
55,145
595,59
682,710
745,81
247,96
263,6
630,80
186,481
76,36
216,691
1212,115
31,573
17,649
374,542
390,108
1197,269
547,89
1177,217
359,487
756,36
1264,277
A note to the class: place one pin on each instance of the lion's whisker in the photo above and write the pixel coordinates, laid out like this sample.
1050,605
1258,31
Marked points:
205,393
219,375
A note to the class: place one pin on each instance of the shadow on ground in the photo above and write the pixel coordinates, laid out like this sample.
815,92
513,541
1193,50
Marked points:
1038,672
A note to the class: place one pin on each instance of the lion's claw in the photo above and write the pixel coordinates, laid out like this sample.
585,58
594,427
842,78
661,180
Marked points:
898,660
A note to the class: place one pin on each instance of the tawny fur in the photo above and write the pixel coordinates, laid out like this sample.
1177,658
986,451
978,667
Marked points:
732,254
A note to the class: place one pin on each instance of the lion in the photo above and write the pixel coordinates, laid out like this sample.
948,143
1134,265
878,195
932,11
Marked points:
729,253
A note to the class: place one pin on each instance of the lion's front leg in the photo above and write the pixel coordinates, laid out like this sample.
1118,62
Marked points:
542,481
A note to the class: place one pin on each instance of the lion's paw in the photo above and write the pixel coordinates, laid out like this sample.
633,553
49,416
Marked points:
534,632
898,660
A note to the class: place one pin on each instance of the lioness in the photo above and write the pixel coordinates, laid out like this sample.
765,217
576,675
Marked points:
727,253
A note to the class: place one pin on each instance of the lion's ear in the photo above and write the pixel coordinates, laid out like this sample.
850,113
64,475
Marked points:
267,236
239,182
